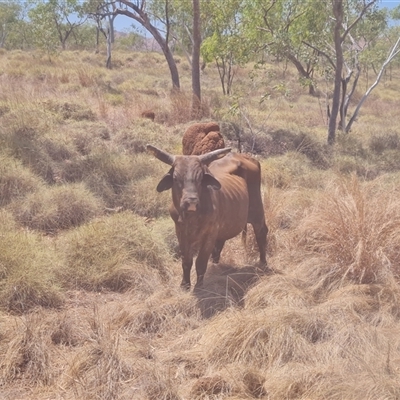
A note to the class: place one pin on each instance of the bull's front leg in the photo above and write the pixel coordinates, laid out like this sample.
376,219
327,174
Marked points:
187,262
202,261
184,247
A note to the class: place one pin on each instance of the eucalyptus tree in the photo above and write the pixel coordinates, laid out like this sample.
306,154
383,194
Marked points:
196,85
225,43
306,31
103,14
141,12
346,16
9,17
54,21
280,28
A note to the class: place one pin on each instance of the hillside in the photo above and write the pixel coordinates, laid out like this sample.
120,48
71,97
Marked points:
90,304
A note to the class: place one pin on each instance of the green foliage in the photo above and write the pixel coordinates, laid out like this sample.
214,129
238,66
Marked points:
226,46
51,23
9,18
43,29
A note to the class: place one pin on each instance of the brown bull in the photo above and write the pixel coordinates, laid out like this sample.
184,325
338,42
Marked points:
212,200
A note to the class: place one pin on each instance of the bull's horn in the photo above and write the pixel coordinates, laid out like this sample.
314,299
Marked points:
214,155
161,154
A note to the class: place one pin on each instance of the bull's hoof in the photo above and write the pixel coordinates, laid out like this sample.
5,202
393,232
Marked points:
263,264
185,286
198,289
199,285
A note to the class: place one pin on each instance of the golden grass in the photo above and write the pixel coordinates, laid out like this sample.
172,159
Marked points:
356,227
94,311
16,181
28,354
61,207
115,253
27,265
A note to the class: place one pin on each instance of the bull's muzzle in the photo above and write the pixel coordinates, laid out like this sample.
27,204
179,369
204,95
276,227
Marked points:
190,204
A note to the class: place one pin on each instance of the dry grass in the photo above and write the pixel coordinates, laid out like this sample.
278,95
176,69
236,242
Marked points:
117,252
94,310
27,266
356,227
16,181
60,207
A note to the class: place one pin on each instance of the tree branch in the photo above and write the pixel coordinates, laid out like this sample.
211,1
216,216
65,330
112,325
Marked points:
320,52
363,11
393,53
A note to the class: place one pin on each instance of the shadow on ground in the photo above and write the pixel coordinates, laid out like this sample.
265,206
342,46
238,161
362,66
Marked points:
225,286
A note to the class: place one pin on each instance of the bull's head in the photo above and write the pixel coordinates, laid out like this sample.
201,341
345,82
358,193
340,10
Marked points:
187,177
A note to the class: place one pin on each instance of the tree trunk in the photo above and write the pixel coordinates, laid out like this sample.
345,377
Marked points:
109,45
97,48
140,16
196,87
111,28
303,72
338,13
393,53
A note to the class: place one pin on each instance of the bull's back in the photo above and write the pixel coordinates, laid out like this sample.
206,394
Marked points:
232,206
249,169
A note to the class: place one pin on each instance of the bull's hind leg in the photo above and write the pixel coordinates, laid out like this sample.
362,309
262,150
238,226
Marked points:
261,232
216,253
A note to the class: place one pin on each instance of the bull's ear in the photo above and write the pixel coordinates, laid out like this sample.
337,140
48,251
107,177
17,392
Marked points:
165,183
209,180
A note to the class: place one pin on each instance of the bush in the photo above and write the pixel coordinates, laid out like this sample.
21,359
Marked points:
16,181
146,132
112,253
56,208
357,228
68,110
23,144
142,198
27,267
282,141
388,141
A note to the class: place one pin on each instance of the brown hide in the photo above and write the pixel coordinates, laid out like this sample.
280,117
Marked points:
249,169
221,216
212,204
201,138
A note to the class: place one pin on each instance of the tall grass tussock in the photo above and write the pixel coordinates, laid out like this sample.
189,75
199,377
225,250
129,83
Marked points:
113,252
90,304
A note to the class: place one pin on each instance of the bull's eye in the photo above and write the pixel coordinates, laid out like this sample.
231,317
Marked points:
177,180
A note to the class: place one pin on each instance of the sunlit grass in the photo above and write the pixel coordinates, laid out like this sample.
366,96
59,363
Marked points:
90,304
